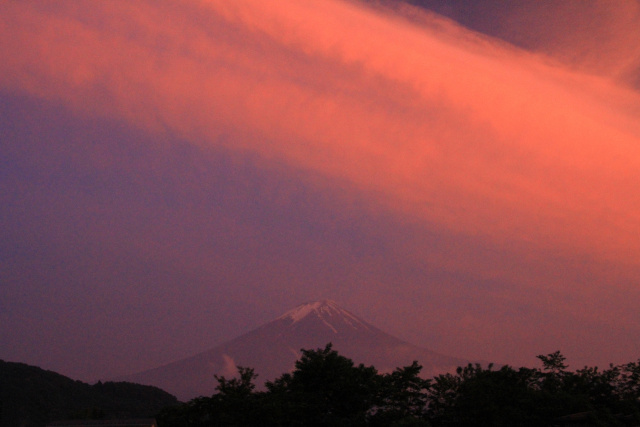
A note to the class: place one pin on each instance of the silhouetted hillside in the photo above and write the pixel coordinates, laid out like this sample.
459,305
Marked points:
31,397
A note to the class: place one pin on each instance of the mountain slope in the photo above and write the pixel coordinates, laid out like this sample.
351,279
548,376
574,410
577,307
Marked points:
273,349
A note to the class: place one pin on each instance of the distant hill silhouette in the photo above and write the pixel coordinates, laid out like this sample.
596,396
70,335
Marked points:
32,397
273,348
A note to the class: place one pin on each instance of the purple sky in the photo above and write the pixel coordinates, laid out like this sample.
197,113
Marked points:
173,175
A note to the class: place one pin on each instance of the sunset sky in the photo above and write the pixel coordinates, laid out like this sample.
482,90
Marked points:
176,173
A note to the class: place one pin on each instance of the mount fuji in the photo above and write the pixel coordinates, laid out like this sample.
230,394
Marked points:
273,349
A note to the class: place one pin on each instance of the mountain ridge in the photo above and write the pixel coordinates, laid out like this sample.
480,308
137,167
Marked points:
31,396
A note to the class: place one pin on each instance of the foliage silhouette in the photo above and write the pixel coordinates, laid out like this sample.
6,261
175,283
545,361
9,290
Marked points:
328,389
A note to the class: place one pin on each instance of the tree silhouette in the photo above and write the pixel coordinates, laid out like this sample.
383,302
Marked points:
403,398
327,389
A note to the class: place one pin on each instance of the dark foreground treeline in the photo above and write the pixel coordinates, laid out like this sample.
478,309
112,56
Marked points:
327,389
32,397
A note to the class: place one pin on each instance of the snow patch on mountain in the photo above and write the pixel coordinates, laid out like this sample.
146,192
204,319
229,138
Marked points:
295,353
325,310
302,311
335,331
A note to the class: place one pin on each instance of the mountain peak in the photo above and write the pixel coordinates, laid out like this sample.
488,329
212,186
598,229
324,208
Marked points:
326,310
303,310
